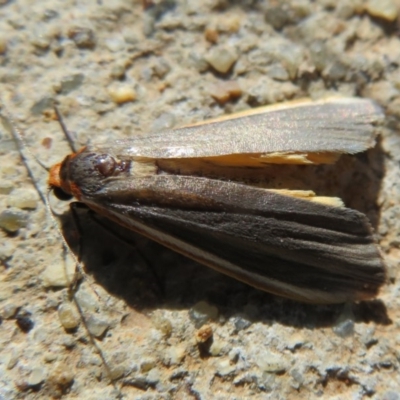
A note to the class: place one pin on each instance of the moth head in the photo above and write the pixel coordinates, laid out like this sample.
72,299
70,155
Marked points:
83,173
59,182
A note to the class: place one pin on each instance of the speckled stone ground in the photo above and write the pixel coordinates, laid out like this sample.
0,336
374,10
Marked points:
171,63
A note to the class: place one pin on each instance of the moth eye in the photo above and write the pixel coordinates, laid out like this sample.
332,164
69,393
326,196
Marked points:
105,164
61,195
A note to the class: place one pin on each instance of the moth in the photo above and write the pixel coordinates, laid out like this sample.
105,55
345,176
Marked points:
193,190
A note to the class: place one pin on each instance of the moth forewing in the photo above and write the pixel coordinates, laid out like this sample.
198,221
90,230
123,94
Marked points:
337,125
298,249
300,132
280,243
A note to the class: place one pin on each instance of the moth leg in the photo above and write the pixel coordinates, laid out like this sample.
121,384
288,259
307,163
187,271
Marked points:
157,280
78,227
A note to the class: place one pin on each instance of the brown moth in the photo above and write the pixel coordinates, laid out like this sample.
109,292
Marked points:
189,190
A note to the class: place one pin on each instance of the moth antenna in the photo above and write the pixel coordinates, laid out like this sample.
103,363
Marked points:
22,148
79,272
68,136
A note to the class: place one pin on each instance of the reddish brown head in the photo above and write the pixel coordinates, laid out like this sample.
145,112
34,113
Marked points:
60,179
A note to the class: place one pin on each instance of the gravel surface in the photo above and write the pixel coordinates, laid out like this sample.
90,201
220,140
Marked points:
121,68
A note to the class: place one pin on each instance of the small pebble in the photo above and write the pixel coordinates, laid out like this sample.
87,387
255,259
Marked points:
178,373
161,67
368,30
277,16
277,72
9,310
87,299
221,58
335,71
164,121
148,22
295,341
7,249
37,376
202,312
298,378
118,71
383,92
162,324
3,46
41,42
13,219
224,367
268,91
320,54
115,44
43,104
344,325
24,322
69,342
59,274
270,362
147,364
60,378
139,382
68,316
6,186
368,338
203,334
345,9
234,355
83,37
216,348
245,378
390,395
146,73
97,326
385,9
70,83
225,91
122,94
50,357
13,358
229,24
47,143
49,14
153,377
198,61
23,199
211,35
344,328
174,355
117,371
241,323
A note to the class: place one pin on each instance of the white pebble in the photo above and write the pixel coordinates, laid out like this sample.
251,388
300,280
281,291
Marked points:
59,274
23,199
221,58
37,376
122,94
386,9
68,316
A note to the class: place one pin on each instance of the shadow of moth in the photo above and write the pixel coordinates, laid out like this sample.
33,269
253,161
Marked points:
183,189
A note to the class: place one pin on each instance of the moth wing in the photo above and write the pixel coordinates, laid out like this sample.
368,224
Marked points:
333,126
294,248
